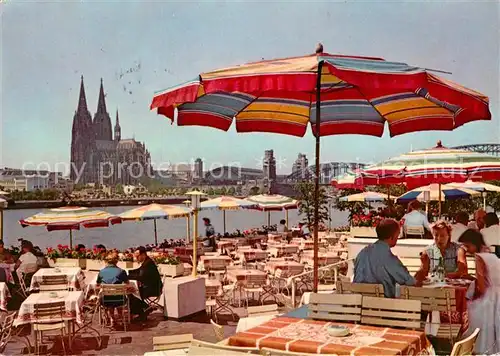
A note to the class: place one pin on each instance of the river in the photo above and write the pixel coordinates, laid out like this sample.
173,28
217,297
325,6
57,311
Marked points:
129,234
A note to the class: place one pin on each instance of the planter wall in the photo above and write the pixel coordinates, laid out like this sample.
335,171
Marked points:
69,262
95,265
128,264
171,270
362,231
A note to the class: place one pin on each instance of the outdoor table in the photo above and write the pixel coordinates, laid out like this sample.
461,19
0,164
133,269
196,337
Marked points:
73,304
206,259
8,268
253,254
75,276
132,287
324,259
272,266
282,249
311,336
4,296
240,275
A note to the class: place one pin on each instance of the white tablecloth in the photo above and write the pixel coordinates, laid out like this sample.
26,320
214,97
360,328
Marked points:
75,275
73,304
4,296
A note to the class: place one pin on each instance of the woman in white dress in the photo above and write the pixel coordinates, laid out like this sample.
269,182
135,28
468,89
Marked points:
484,294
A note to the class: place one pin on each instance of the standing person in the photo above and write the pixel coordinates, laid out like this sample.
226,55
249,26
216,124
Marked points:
478,222
209,240
416,219
484,305
443,249
377,264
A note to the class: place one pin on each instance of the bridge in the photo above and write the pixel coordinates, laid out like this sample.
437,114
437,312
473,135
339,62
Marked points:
489,148
327,171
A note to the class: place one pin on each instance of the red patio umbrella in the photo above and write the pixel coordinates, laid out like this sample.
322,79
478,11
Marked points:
336,94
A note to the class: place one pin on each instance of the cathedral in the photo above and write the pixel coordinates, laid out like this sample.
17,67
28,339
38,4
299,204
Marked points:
98,153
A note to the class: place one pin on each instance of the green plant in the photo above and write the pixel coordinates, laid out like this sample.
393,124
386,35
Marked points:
167,260
307,200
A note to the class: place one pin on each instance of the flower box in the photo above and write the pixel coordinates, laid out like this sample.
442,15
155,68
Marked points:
70,262
95,265
363,231
127,264
171,270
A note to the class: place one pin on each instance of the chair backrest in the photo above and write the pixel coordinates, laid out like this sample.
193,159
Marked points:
256,280
209,345
6,330
54,283
172,342
261,310
414,230
432,299
471,265
52,312
412,264
218,330
216,265
391,312
365,289
465,346
340,307
113,289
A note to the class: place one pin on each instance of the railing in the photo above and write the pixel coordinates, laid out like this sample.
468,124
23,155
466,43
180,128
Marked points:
335,267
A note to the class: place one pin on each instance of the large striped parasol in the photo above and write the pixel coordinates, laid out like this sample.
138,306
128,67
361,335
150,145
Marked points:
436,165
227,203
154,212
336,94
437,192
71,218
482,187
273,202
347,181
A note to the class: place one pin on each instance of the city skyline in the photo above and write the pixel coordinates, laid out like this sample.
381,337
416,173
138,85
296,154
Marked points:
165,44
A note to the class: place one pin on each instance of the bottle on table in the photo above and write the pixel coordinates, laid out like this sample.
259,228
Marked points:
440,270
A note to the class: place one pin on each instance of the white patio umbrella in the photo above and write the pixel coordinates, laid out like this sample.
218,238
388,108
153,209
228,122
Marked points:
479,187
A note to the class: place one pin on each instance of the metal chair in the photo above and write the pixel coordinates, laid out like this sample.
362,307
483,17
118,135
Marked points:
50,317
111,294
54,283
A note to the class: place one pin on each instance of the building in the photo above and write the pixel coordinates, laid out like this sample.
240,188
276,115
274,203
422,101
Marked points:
23,180
98,152
300,166
228,175
269,165
198,169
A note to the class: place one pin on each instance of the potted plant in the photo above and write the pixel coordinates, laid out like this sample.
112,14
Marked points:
126,260
170,266
63,256
95,259
363,225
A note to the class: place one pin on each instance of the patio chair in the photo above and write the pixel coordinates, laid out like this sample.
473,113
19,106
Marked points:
217,268
90,310
218,330
337,307
54,283
114,296
465,346
391,313
50,317
8,331
440,300
254,284
219,347
365,289
414,232
172,342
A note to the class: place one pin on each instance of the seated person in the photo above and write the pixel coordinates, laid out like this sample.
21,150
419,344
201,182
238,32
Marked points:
282,228
453,255
27,263
491,231
478,222
461,222
377,264
111,274
416,219
150,284
5,256
304,231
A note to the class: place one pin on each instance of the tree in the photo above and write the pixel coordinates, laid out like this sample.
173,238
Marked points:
307,200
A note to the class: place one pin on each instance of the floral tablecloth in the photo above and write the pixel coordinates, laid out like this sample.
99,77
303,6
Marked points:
75,275
73,306
4,296
311,336
8,268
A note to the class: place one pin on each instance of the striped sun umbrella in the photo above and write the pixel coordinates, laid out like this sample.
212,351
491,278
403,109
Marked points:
479,187
71,218
154,212
368,197
436,165
273,202
227,203
334,94
347,181
437,192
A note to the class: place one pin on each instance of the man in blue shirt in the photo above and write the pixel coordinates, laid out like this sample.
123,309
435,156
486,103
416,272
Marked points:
378,265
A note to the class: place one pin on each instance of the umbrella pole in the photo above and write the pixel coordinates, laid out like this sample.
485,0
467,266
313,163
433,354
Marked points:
156,232
316,178
224,220
268,218
484,201
71,239
439,206
1,224
195,242
188,229
286,217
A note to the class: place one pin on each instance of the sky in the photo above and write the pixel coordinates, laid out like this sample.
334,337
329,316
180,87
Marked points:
46,47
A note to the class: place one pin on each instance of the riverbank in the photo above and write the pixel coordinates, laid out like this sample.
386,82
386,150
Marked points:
92,203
